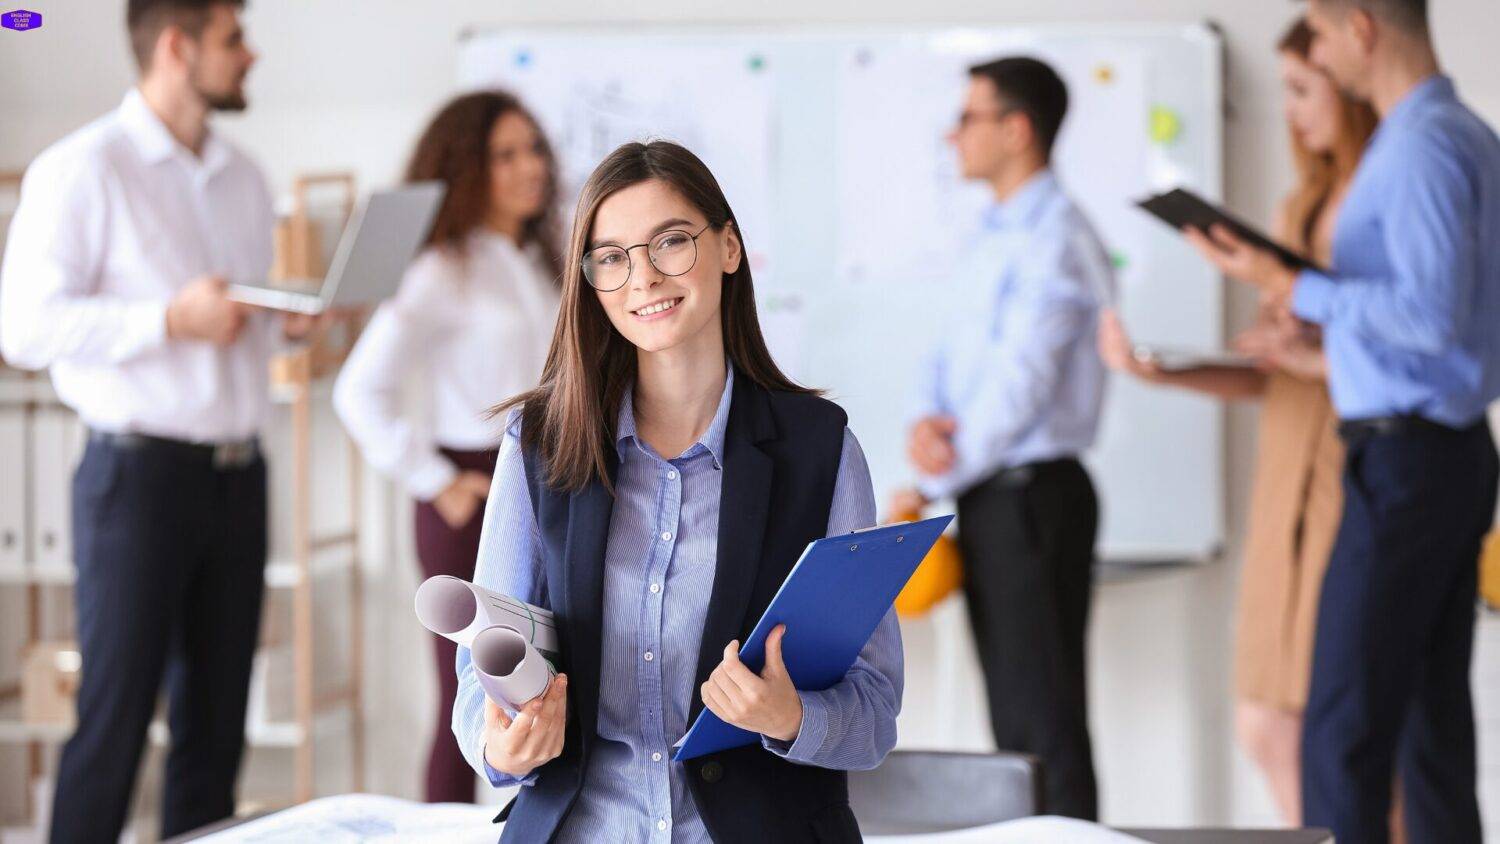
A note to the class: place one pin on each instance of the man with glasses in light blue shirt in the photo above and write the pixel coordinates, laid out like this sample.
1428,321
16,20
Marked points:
1410,312
1007,401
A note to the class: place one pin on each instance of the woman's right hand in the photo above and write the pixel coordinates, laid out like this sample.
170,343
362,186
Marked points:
517,746
461,499
1117,351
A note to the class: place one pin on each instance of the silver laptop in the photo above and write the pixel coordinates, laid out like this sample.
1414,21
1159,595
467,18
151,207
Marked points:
382,236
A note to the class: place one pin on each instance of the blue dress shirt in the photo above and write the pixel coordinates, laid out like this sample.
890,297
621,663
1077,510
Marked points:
658,575
1018,365
1411,307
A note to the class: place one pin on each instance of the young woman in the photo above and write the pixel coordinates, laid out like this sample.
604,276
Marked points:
468,323
653,491
1296,499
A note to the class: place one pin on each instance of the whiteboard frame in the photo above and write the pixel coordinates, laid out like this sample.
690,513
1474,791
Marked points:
1204,33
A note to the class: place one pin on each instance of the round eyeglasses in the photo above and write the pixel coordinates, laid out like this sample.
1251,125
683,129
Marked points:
672,252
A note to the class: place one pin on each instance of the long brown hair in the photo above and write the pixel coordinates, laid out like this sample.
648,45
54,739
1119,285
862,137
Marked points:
570,416
1318,174
455,149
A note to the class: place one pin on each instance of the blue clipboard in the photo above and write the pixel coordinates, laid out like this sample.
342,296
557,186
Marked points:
831,603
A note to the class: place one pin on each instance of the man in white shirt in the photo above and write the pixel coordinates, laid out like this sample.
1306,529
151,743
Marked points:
114,278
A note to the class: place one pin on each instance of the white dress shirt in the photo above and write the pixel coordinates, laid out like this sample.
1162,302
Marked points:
474,329
113,220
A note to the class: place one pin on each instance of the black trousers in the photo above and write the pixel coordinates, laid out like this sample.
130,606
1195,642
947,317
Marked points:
1390,684
171,554
1027,537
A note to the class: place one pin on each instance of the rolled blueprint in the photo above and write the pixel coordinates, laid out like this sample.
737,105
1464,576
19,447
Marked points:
512,642
510,670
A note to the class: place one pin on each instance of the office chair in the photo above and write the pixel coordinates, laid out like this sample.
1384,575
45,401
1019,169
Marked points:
917,791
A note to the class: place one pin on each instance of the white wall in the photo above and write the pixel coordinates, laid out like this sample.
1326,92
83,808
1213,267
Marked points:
344,85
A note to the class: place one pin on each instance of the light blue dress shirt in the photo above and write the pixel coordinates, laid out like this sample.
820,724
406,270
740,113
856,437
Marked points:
658,575
1411,307
1017,365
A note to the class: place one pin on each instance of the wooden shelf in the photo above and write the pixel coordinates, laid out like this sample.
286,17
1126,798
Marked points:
299,378
287,734
281,572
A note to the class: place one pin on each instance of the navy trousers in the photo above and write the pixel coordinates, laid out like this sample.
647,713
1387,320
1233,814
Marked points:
171,554
1390,687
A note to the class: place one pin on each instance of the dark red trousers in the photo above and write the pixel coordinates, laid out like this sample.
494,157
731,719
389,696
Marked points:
443,550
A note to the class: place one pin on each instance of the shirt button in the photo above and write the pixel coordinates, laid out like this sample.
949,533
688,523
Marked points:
671,476
656,757
650,656
661,825
666,536
655,588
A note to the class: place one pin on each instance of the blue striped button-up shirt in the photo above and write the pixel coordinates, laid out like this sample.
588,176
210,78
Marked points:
658,575
1017,366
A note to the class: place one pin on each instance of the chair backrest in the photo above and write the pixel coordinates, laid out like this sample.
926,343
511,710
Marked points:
917,791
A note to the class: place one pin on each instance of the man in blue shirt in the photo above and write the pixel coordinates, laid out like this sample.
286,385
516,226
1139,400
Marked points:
1410,313
1006,402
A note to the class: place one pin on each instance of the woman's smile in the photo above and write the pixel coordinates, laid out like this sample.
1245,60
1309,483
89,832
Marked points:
658,309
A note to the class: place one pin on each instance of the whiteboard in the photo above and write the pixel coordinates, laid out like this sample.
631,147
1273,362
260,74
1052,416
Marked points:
829,143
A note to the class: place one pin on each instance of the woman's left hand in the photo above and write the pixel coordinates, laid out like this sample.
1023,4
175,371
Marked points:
767,704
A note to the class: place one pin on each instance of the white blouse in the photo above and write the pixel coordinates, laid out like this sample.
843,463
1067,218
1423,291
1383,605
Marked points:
470,330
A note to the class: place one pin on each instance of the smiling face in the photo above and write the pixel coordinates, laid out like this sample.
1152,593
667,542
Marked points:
657,312
519,168
1314,111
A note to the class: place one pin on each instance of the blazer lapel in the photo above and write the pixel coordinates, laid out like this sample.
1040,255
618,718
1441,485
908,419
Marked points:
589,514
744,503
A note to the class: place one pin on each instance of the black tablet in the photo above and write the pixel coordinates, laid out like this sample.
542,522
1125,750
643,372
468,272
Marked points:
1180,208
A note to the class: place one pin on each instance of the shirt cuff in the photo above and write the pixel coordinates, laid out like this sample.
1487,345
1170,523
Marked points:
937,487
147,327
810,736
430,478
1312,296
499,779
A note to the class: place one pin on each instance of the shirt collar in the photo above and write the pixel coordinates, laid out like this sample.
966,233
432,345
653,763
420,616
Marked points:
488,238
1434,88
712,440
1021,207
156,143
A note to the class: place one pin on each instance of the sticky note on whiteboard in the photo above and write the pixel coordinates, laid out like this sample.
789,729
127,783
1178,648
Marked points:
1166,125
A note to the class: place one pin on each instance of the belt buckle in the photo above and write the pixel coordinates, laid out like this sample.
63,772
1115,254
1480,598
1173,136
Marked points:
233,455
1017,476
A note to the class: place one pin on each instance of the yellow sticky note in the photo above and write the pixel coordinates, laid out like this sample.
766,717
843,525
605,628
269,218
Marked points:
1166,126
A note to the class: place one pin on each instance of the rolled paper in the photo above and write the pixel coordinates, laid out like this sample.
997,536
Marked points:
510,670
458,610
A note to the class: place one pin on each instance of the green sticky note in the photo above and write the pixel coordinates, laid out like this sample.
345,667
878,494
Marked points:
1166,126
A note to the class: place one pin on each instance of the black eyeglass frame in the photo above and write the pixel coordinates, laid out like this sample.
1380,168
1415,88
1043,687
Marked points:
630,262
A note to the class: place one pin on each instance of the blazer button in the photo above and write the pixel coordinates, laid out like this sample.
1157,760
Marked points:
711,772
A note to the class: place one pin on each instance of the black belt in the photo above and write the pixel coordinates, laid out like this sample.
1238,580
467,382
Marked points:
1015,477
229,455
1359,430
